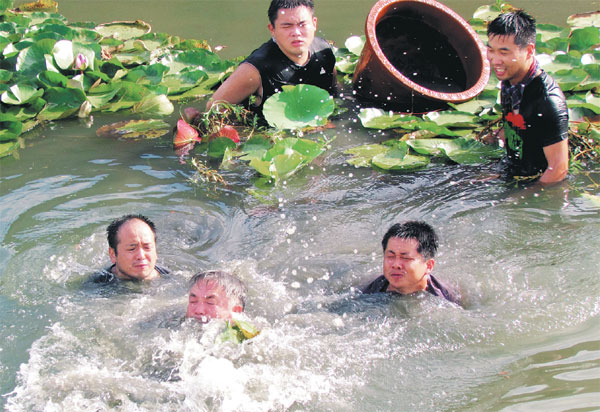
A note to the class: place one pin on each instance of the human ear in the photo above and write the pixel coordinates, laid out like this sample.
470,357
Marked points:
430,264
271,29
112,254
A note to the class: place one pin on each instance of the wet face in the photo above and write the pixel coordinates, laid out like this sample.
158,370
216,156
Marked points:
404,267
294,31
509,61
135,256
208,300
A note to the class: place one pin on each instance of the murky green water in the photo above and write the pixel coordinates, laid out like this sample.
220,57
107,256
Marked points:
526,262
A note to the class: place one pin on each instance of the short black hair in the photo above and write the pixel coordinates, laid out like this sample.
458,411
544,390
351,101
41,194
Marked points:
424,234
235,289
515,23
113,228
276,5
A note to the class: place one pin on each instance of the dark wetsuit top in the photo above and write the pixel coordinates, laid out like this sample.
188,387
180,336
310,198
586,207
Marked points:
434,286
105,276
277,70
542,120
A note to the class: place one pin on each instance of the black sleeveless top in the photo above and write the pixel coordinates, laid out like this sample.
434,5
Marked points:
277,70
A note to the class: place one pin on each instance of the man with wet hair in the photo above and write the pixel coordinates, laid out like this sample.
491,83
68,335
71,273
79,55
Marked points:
293,56
215,294
132,251
534,109
408,258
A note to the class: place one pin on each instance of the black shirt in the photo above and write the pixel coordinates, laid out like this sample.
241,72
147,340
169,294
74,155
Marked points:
277,70
434,286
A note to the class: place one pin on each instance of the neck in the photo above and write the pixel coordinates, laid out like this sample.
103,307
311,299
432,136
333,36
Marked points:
527,73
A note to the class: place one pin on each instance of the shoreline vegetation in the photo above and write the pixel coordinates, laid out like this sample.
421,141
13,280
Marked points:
51,69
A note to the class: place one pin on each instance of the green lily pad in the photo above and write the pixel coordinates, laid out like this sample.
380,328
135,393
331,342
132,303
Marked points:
10,127
32,59
285,157
298,106
374,118
155,105
218,146
453,119
584,38
124,30
461,150
355,44
19,94
135,129
590,102
570,79
393,162
62,102
65,52
257,146
52,79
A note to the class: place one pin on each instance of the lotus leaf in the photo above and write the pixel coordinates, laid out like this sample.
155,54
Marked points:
8,148
374,118
546,32
21,94
124,30
298,106
52,79
591,102
584,19
32,59
65,52
461,150
593,199
135,129
5,5
256,146
218,146
453,119
391,160
62,102
152,74
584,38
355,44
101,95
487,13
180,82
10,127
569,80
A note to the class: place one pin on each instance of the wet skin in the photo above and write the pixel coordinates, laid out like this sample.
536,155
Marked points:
208,300
135,255
404,267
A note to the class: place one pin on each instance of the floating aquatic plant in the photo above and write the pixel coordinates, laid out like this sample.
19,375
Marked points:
571,56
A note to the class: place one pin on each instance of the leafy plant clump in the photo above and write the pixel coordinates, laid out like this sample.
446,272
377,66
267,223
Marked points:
51,69
570,55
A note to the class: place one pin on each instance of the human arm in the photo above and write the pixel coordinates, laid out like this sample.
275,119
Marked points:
557,155
243,82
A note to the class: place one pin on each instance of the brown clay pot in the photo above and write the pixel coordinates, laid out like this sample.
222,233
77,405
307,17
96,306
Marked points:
419,55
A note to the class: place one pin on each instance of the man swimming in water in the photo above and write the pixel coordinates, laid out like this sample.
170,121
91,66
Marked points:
534,109
132,251
408,252
215,294
293,56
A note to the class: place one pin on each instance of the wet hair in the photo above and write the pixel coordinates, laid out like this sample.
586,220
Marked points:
113,229
276,5
515,23
234,288
424,234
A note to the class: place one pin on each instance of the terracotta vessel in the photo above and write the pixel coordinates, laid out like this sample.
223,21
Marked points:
419,55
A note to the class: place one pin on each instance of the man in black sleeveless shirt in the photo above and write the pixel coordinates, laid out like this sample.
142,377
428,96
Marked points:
293,56
534,110
408,252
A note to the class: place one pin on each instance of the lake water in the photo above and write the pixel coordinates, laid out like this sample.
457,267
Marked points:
526,261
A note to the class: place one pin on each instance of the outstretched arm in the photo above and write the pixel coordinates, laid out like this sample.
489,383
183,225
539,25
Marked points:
557,155
243,82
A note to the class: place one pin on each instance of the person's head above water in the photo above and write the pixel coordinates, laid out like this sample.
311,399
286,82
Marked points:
408,252
215,294
132,247
511,45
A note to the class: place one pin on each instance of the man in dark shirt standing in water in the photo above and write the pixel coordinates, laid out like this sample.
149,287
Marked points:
534,110
293,56
132,250
408,252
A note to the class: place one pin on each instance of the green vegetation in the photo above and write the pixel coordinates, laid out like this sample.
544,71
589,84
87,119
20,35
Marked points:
51,69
